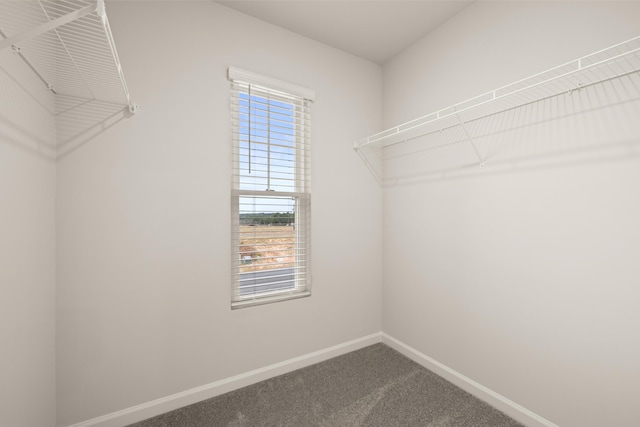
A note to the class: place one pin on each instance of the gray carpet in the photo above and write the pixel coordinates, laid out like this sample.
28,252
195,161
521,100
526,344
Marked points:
374,386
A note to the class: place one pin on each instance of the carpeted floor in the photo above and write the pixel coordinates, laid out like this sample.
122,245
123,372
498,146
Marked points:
374,386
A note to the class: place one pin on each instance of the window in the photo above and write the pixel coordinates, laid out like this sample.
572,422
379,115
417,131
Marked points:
271,200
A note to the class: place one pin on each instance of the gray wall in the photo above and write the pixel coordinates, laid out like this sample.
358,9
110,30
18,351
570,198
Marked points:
143,215
523,279
27,247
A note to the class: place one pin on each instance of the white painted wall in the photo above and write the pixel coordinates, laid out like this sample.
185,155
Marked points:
144,211
524,280
27,248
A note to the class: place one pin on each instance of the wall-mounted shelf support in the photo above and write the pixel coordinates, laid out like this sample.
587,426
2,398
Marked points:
17,51
470,139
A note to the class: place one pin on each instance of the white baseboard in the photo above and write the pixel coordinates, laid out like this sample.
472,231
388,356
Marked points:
509,407
160,406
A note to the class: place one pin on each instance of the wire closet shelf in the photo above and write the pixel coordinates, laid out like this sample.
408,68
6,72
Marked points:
614,62
68,45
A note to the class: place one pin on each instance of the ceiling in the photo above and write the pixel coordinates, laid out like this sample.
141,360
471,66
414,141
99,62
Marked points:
376,30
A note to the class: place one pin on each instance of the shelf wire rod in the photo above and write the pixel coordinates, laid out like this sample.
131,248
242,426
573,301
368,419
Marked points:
114,53
629,63
48,26
427,149
18,52
249,130
469,138
81,35
376,173
61,7
633,83
64,46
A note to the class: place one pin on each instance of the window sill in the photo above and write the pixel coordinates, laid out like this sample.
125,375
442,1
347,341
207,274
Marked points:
268,299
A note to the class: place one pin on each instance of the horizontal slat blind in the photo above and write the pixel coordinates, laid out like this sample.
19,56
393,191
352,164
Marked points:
270,195
270,141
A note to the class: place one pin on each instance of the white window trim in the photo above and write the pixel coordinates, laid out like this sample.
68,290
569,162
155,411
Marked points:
303,197
238,74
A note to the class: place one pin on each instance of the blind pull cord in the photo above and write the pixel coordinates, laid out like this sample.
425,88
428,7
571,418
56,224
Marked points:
249,154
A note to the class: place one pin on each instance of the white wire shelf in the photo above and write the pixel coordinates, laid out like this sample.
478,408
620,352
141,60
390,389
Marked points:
609,64
68,45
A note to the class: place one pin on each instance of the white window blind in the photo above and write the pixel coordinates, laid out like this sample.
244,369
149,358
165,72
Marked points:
271,200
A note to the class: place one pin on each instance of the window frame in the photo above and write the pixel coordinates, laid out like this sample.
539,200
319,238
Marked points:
255,86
